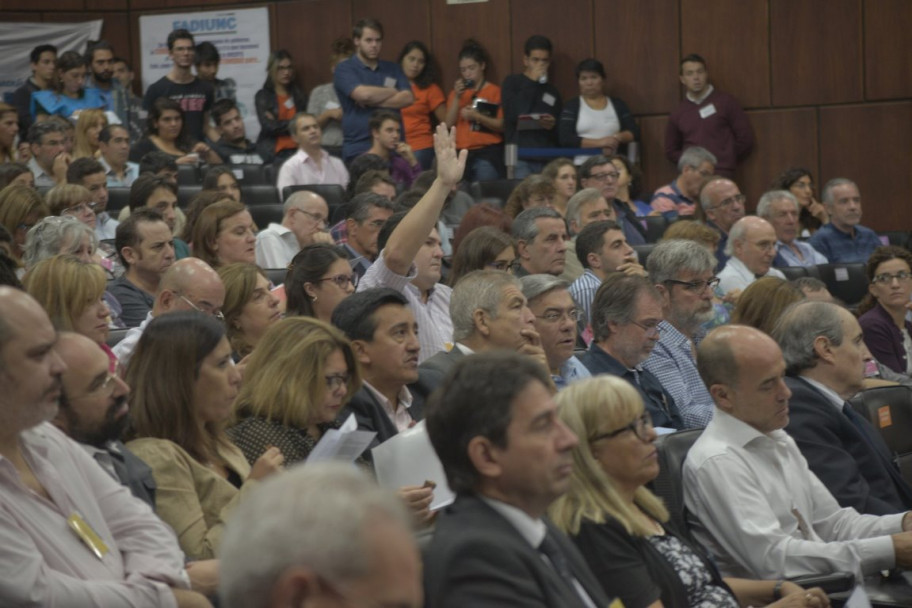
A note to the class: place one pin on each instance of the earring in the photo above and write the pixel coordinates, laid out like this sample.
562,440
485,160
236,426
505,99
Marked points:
314,299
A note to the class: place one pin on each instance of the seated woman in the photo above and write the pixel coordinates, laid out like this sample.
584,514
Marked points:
887,333
800,182
16,173
629,185
534,191
222,179
482,214
224,233
72,292
276,104
474,107
296,382
318,278
250,308
9,129
762,303
20,208
72,200
71,95
183,386
486,247
594,120
199,202
165,133
562,173
622,529
418,66
89,125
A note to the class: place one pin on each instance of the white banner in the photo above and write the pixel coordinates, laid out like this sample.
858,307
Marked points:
18,39
241,37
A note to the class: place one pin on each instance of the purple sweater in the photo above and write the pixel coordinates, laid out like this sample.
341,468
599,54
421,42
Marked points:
726,132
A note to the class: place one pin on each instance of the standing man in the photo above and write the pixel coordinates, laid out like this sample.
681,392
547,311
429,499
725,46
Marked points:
844,240
508,456
124,75
723,205
679,198
311,164
43,60
180,84
707,118
531,105
207,59
600,173
303,223
363,83
114,145
99,58
90,174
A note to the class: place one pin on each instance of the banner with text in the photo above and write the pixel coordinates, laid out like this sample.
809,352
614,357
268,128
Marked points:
241,37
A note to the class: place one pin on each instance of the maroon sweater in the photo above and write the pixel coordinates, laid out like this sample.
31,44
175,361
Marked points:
726,133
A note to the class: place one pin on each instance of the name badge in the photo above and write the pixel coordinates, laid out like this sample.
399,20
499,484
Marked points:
289,103
549,99
707,111
331,105
389,82
87,535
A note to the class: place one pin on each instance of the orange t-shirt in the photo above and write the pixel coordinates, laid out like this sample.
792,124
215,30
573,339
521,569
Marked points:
465,136
417,117
287,111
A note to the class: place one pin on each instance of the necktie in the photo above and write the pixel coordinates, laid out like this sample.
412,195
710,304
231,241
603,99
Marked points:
553,552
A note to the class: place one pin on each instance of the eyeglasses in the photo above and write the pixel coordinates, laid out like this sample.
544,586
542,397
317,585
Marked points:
696,286
342,280
640,427
337,381
901,276
765,246
554,316
105,389
502,265
652,329
317,218
731,200
80,208
608,175
217,314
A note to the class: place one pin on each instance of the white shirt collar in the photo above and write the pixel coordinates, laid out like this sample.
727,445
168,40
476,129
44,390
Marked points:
706,93
837,401
533,530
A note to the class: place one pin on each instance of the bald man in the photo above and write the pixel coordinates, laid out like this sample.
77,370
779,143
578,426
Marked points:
751,249
189,284
304,222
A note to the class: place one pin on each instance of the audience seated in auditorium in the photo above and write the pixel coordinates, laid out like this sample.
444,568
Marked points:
781,209
756,505
232,146
310,164
364,218
225,233
586,206
16,174
167,132
21,207
124,74
250,307
303,222
72,201
91,174
49,159
159,193
844,240
630,186
278,104
883,311
599,172
485,247
386,143
9,134
318,278
89,124
680,197
534,191
723,205
540,234
221,178
800,183
751,247
69,95
183,386
562,173
762,303
204,199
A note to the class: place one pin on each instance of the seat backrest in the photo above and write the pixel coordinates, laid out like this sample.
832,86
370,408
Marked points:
115,336
118,198
333,194
793,272
249,174
263,215
889,408
848,282
275,275
494,189
643,252
254,195
188,175
669,485
186,193
655,228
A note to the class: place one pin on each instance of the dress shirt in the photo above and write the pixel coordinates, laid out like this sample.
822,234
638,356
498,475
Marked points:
571,371
276,246
435,328
841,247
583,291
43,179
400,416
301,169
358,262
46,564
736,275
123,350
786,257
105,226
672,362
131,172
764,514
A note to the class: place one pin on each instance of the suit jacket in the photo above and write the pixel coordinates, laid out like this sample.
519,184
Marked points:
432,371
855,467
371,416
477,558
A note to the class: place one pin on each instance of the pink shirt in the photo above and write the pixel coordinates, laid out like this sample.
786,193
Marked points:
301,169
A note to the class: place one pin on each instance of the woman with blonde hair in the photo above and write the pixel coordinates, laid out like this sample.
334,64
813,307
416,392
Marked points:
72,200
297,380
534,191
250,307
622,528
88,126
21,208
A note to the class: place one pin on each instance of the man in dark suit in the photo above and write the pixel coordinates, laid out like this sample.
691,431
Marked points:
93,412
825,357
507,456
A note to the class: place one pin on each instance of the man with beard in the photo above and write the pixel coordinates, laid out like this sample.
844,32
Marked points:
233,145
99,58
844,240
93,412
682,271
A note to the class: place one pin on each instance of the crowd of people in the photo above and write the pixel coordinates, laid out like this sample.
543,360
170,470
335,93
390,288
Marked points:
160,370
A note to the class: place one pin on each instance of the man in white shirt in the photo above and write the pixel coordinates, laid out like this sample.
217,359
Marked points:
751,248
90,174
758,508
72,535
311,164
114,144
304,222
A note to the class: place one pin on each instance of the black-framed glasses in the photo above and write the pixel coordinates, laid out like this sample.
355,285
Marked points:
554,315
902,276
342,280
217,314
731,200
651,329
696,286
502,265
337,381
640,427
609,175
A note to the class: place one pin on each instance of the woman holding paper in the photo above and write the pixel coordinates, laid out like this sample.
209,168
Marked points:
184,383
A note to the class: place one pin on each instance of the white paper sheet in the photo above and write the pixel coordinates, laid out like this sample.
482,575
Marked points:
408,459
345,443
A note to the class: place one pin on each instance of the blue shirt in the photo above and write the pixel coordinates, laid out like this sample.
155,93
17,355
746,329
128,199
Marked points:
843,248
349,75
571,371
583,292
786,257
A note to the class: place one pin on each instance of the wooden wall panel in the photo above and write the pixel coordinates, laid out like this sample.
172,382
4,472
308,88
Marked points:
733,37
182,5
870,145
816,51
307,29
657,170
105,5
23,17
42,5
641,53
486,22
571,36
888,49
410,21
786,138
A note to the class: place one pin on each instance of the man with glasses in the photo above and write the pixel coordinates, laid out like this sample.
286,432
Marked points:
49,160
586,206
303,223
781,209
311,164
843,240
367,213
555,317
682,272
723,205
146,249
90,174
679,198
599,172
626,317
752,247
189,284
